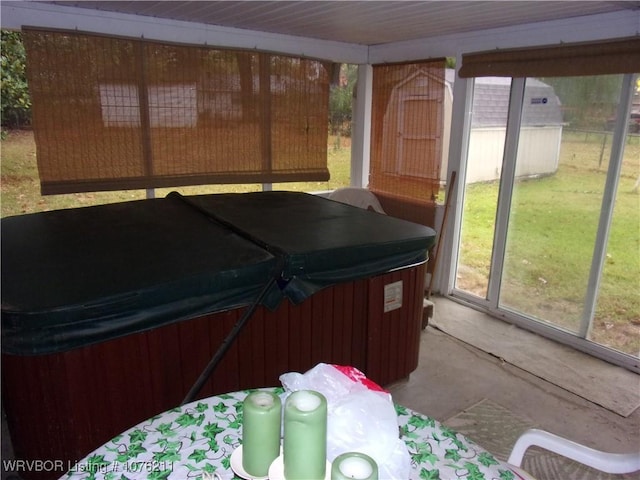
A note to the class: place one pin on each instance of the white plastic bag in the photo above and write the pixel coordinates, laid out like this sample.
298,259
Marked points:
361,416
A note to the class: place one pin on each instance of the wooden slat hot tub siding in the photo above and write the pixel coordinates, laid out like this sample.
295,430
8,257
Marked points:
62,406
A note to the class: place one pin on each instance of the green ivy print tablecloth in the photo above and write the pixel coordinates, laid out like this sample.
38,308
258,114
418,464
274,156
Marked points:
196,441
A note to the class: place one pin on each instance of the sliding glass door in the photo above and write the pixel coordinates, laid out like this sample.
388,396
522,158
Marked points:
550,226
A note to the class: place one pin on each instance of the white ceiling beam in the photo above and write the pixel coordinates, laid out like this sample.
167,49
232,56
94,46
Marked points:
571,30
15,15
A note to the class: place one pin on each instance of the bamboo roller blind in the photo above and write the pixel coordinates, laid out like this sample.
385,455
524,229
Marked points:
113,114
407,129
602,58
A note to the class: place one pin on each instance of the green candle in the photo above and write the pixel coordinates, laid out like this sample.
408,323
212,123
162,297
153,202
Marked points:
305,436
261,415
354,466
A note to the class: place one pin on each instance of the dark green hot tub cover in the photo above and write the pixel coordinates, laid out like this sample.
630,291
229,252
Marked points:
75,277
322,241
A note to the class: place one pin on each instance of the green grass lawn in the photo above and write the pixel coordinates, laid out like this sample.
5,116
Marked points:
551,240
21,188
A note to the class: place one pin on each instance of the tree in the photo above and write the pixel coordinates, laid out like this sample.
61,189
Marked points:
587,101
340,99
14,94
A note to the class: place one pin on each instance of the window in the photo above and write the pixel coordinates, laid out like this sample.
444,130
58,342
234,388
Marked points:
408,129
114,113
545,241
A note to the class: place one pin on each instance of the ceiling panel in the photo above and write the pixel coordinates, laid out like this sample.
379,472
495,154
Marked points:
361,22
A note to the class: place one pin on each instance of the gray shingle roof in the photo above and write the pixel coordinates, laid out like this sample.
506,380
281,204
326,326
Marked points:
491,102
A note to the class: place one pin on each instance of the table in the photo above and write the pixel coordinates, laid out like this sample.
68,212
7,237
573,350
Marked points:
199,438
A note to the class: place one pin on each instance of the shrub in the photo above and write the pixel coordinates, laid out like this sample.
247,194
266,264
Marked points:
14,94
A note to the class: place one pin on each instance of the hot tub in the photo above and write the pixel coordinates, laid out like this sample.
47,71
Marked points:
110,313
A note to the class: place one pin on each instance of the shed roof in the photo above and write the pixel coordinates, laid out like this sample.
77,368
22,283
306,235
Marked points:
542,107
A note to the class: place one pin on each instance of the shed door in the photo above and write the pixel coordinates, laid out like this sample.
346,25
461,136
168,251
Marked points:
419,143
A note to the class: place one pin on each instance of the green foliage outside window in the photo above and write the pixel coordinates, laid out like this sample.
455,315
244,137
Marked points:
340,101
14,95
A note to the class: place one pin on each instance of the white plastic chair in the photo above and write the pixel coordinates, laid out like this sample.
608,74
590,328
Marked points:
358,197
603,461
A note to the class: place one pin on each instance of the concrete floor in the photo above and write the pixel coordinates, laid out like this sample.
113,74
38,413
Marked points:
453,376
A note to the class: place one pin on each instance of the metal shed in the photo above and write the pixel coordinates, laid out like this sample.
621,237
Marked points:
541,130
